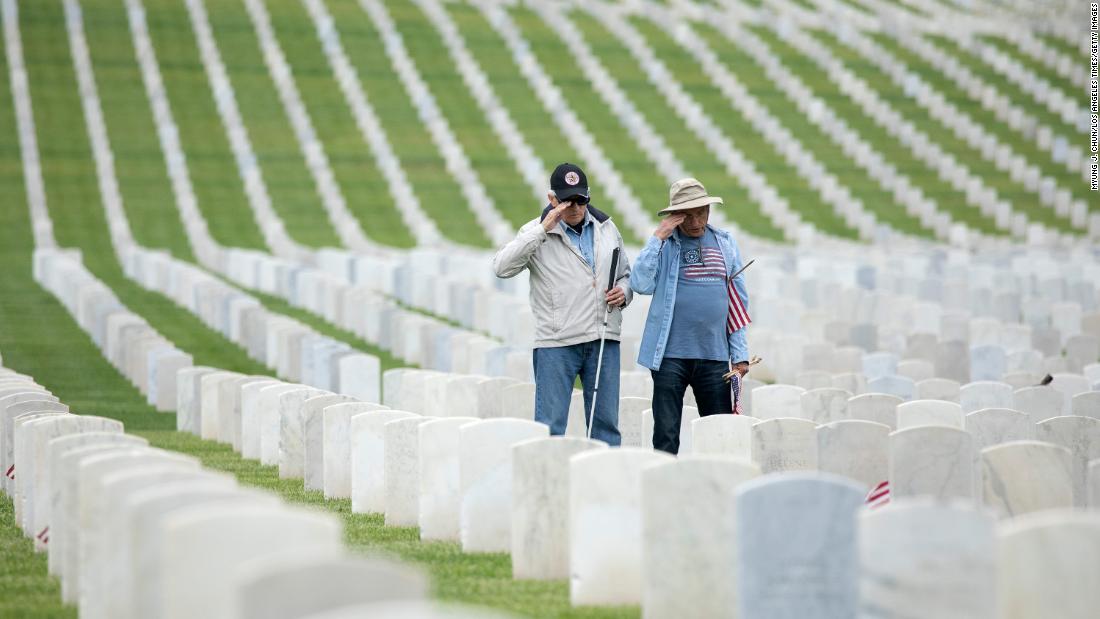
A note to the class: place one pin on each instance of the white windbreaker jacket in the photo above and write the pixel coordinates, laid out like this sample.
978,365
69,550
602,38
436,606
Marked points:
567,298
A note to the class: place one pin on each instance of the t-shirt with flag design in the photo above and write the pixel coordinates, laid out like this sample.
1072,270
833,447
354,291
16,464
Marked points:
698,328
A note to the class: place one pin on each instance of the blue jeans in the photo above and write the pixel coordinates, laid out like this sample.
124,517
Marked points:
556,369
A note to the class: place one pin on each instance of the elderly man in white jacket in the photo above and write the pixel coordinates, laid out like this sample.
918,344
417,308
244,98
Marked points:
568,253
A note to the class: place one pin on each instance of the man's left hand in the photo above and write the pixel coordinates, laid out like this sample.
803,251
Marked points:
615,297
742,367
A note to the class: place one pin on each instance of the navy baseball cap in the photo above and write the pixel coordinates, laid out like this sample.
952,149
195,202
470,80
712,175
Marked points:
568,180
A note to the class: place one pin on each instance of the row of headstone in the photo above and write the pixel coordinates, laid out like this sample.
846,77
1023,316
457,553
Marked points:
313,152
994,101
457,163
1063,396
875,163
708,536
991,148
619,194
286,346
271,226
146,358
527,162
135,531
830,189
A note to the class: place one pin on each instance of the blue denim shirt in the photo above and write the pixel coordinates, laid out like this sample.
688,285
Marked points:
582,241
656,272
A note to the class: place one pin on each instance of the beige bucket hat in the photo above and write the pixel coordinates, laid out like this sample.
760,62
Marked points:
688,193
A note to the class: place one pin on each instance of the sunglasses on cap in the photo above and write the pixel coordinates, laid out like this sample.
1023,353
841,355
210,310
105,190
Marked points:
579,200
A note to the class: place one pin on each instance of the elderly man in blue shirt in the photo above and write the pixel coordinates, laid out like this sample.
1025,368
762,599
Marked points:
695,331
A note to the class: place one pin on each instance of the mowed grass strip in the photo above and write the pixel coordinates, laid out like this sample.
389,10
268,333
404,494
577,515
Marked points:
874,197
363,186
289,182
1080,91
435,188
688,148
138,159
786,179
947,198
1023,146
487,154
213,171
73,193
537,126
1008,190
647,183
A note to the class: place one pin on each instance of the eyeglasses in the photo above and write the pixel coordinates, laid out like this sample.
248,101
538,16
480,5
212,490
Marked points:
578,200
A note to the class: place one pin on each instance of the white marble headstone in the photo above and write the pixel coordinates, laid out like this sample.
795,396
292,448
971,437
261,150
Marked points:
1049,564
540,505
689,537
290,440
192,536
440,490
876,407
931,460
1040,403
929,413
485,474
729,435
402,470
856,449
605,525
294,584
313,425
797,552
368,459
1081,435
784,445
922,558
336,445
1026,476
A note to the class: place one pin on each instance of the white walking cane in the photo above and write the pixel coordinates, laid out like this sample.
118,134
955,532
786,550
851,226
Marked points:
603,335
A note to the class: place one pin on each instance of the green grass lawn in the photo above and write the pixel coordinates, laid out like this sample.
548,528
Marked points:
488,156
537,126
39,338
364,187
802,198
688,148
875,199
947,197
438,192
1012,192
1025,147
218,187
1056,79
289,183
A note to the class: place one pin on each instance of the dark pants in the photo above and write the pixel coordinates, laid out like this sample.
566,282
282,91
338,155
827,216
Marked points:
712,396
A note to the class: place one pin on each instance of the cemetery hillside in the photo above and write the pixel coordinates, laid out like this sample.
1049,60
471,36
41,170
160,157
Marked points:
293,323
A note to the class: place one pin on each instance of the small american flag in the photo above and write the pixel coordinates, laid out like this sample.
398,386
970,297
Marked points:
738,316
735,393
879,495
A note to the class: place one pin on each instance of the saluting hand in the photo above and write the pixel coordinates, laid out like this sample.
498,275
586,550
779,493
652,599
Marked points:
668,224
554,216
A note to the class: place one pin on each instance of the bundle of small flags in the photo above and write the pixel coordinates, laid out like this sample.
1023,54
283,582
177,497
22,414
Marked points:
735,391
879,495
